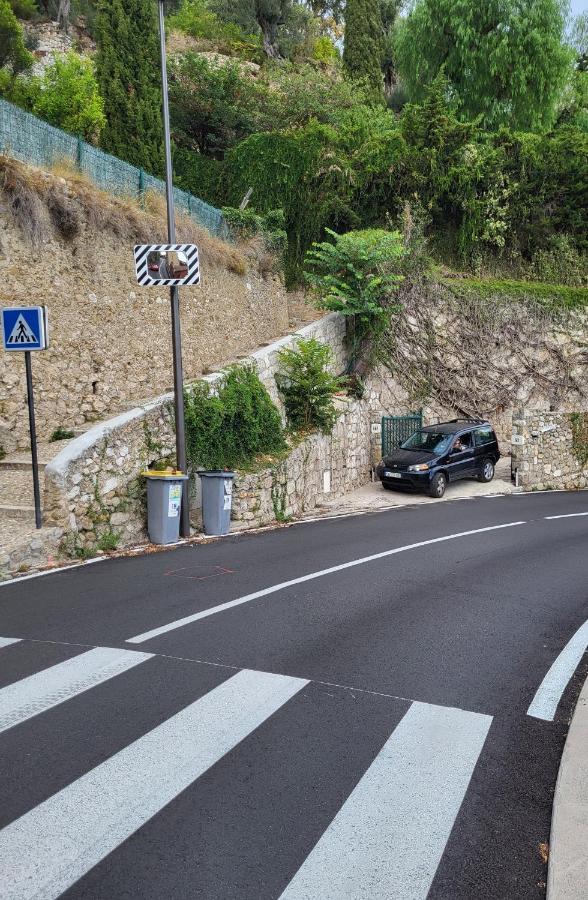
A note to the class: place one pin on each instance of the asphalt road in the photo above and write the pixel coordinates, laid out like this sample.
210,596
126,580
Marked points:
359,732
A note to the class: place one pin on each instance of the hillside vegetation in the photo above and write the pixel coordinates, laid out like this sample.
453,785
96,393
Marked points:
463,125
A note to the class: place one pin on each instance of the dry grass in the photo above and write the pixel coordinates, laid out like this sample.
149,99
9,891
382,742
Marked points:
24,203
65,200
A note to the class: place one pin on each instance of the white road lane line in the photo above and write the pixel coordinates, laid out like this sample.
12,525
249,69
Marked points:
33,695
18,578
6,642
567,516
188,620
550,691
388,838
49,848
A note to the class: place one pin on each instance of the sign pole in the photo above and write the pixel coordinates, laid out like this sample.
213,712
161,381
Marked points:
175,293
33,430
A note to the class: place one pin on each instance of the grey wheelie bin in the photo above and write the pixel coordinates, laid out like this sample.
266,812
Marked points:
217,496
164,501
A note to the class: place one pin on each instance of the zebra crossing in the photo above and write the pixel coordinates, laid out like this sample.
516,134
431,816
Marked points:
375,824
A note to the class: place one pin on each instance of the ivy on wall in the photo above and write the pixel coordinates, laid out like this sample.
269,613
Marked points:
579,424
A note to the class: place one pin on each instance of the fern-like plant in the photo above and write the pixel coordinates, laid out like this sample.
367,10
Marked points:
357,275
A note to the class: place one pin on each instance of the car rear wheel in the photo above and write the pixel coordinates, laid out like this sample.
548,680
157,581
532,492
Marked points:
487,472
438,485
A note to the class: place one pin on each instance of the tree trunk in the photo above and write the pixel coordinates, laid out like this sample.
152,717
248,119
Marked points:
63,15
269,31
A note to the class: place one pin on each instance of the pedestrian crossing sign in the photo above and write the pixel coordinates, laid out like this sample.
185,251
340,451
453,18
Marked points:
25,328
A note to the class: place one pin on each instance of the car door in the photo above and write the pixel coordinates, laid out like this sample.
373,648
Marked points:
461,462
486,445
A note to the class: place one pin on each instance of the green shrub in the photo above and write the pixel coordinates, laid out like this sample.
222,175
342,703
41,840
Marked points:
196,19
560,263
213,106
324,50
197,174
307,386
552,297
2,452
24,9
246,223
229,428
68,97
108,541
14,56
61,434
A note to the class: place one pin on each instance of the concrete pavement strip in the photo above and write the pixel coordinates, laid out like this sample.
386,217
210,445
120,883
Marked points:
568,859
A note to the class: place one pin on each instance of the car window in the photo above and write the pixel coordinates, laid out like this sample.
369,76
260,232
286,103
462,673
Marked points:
484,436
462,442
433,441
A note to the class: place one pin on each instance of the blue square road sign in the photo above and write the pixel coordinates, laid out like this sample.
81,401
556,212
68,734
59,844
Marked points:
24,328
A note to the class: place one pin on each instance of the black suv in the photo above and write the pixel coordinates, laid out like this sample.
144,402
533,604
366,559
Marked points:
437,454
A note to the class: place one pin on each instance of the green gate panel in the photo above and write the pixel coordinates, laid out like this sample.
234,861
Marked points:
397,429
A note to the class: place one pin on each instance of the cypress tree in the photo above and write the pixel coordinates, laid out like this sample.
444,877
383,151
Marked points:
128,68
363,51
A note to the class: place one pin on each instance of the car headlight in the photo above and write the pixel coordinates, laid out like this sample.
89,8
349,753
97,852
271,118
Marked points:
422,467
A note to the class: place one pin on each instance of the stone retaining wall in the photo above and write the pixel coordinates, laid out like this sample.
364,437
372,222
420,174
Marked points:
110,342
93,487
548,452
321,467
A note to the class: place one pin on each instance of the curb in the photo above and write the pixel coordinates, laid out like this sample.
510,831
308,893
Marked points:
567,877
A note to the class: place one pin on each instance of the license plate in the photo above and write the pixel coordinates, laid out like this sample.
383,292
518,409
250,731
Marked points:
388,474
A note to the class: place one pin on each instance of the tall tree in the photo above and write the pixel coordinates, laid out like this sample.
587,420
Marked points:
127,66
505,60
389,11
363,52
270,14
63,14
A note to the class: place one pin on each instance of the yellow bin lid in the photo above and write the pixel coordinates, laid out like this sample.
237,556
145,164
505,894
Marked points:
164,473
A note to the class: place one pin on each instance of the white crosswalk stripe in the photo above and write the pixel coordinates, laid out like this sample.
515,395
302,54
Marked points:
33,695
51,847
6,642
388,838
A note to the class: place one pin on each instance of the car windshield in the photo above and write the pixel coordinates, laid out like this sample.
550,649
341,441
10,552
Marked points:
433,441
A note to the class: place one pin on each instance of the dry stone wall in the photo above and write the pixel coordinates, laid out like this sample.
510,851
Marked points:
93,487
467,355
94,490
321,467
110,340
550,450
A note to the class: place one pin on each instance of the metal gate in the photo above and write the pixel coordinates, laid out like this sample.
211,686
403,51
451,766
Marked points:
397,429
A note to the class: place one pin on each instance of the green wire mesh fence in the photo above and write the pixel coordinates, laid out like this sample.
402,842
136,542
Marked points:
24,137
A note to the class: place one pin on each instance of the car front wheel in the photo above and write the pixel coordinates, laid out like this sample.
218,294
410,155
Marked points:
438,485
487,473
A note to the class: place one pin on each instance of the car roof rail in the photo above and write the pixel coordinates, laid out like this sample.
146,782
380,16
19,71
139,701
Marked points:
469,419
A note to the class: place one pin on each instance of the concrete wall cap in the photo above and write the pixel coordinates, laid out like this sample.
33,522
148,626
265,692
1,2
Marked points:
75,450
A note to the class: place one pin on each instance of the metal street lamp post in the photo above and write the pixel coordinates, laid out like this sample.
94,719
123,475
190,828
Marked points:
175,293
